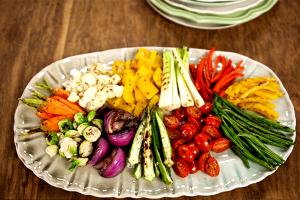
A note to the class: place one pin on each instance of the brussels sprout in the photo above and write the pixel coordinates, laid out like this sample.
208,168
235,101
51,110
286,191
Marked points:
72,133
52,138
65,125
77,139
91,133
81,127
78,162
98,123
85,149
68,148
52,150
79,118
91,115
75,125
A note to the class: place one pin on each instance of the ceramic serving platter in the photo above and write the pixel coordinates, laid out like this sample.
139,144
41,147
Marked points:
224,19
85,180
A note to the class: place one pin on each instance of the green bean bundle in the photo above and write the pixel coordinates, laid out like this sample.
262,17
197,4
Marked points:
250,132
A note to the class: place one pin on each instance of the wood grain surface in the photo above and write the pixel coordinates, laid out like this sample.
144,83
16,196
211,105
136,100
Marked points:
35,33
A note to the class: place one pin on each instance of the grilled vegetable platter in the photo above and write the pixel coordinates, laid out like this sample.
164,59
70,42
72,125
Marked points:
157,122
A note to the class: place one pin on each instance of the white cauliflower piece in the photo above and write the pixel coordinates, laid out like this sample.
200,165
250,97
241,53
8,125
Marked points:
115,79
73,97
89,78
118,90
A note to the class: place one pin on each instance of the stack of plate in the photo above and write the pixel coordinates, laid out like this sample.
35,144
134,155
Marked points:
211,14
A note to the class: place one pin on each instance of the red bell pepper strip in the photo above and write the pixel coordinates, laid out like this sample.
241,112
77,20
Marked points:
206,75
219,59
224,67
210,67
193,70
225,81
200,67
240,64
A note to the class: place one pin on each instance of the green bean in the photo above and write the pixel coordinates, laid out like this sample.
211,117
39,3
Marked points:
238,152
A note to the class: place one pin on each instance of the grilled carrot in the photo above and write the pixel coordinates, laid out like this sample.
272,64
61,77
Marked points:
52,123
44,115
71,105
55,107
60,92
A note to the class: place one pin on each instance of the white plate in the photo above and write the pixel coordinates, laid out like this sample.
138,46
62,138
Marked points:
86,180
220,10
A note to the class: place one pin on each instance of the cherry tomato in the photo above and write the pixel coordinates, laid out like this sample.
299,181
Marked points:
194,149
202,160
193,111
220,145
188,130
206,108
181,168
192,167
203,142
195,121
179,113
184,152
211,131
177,143
174,134
213,121
174,156
212,167
171,121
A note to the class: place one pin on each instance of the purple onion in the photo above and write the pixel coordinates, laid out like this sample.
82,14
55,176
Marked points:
101,150
117,120
113,164
122,138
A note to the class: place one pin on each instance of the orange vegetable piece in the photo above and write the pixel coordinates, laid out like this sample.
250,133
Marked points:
44,115
52,123
60,92
56,107
71,105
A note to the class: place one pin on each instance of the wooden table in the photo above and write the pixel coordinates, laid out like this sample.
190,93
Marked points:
35,33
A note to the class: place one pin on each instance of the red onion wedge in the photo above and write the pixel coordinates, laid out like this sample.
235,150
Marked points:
101,150
113,164
122,138
117,120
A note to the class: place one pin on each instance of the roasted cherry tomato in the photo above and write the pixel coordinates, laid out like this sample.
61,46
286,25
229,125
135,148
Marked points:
213,121
184,152
188,130
212,167
194,149
179,113
171,121
211,131
174,134
206,108
177,143
193,167
220,145
202,160
181,168
196,122
174,156
203,142
193,111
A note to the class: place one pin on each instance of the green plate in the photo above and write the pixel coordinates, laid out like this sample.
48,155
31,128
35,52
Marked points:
233,18
211,4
